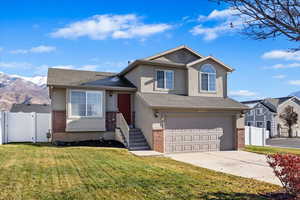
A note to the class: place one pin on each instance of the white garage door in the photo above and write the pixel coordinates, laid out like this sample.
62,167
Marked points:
198,133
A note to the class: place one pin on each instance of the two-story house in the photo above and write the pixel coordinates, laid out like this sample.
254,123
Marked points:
265,113
175,101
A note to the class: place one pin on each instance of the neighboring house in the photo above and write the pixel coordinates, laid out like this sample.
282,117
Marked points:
29,108
265,114
175,101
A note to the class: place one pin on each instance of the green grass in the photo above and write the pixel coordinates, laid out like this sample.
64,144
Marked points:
271,150
48,172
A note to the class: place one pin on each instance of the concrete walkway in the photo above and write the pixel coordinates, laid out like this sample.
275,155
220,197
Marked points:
146,153
239,163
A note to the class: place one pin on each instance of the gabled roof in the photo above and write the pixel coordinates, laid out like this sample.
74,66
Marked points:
172,51
29,108
86,79
174,101
270,103
211,58
152,60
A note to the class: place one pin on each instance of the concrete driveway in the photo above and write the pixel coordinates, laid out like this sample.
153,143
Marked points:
239,163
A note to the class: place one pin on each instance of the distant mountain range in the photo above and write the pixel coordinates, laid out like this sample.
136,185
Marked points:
19,89
296,94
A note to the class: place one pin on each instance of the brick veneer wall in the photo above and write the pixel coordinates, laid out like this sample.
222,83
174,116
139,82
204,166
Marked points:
58,121
240,138
111,121
158,140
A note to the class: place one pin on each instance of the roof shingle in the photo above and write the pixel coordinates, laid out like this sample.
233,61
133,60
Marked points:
158,100
79,78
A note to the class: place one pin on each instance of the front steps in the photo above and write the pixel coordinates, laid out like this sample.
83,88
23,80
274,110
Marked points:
137,140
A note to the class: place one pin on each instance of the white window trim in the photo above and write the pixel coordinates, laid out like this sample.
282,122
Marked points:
251,112
87,91
165,80
263,125
261,113
208,79
251,123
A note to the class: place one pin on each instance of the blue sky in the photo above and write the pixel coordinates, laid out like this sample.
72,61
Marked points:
105,35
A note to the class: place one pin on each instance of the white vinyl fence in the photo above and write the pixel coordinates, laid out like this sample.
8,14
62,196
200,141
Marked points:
256,136
24,127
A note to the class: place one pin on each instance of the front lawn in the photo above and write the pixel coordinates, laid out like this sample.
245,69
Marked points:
271,150
48,172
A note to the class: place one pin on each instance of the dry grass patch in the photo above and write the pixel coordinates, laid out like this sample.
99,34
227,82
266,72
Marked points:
47,172
271,150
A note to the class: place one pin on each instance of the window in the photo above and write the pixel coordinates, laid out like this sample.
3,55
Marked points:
251,113
86,103
207,78
259,124
249,123
259,111
165,79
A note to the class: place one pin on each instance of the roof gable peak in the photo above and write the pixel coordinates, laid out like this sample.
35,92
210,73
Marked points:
181,47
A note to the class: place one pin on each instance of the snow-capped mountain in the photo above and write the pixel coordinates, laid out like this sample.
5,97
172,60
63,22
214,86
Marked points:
19,89
38,80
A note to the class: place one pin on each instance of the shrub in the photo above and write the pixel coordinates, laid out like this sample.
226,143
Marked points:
287,168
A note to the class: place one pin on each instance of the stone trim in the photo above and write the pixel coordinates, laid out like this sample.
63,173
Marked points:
240,138
110,121
158,140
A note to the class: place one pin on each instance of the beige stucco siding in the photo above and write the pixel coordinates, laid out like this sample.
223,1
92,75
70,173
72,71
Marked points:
145,119
79,124
134,77
58,99
206,120
148,79
193,78
111,101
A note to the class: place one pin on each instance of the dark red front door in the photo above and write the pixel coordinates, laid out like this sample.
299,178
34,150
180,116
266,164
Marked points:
124,105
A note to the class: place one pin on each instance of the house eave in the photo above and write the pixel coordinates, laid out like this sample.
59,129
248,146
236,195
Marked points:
198,108
134,64
94,87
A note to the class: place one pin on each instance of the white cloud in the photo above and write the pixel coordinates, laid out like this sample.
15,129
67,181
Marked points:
89,67
15,64
242,93
42,49
227,22
281,54
219,14
284,66
38,49
84,67
294,82
280,76
100,27
62,66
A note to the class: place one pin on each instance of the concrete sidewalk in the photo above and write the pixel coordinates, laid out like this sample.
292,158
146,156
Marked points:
239,163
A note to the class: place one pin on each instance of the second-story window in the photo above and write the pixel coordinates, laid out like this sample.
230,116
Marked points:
165,79
207,78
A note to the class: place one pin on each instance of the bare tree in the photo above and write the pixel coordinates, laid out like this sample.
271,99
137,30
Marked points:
290,118
269,18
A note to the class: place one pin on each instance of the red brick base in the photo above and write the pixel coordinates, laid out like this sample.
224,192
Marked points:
58,121
158,140
240,138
